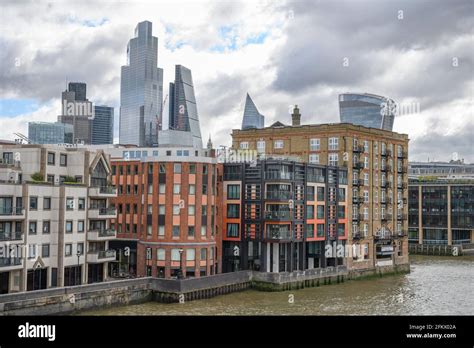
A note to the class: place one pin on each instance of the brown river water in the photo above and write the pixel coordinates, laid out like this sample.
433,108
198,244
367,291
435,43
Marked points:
436,286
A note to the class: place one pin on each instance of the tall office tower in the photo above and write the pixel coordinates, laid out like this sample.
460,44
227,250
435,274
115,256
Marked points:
77,111
103,125
50,133
366,110
141,90
183,114
252,118
80,90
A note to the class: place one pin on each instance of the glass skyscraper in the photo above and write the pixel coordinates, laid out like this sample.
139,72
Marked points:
141,90
252,118
103,125
367,110
50,133
183,114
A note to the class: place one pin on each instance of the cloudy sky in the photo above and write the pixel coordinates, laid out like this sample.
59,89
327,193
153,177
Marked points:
281,52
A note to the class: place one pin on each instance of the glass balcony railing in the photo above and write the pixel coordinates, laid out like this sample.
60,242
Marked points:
105,254
278,215
11,236
108,190
280,234
107,211
10,261
278,175
11,211
277,194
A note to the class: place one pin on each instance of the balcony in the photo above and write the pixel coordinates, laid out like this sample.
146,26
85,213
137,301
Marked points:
357,165
355,217
12,236
278,176
12,213
382,235
101,235
358,148
279,195
10,263
103,191
102,213
278,215
278,234
101,256
357,200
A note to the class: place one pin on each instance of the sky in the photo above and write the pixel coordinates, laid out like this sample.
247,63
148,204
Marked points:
419,53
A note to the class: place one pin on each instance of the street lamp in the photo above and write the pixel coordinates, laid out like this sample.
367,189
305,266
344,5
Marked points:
180,273
78,264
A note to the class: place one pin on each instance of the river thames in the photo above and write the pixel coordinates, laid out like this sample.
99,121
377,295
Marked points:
435,286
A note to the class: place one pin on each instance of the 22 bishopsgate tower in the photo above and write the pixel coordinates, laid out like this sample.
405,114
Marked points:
141,90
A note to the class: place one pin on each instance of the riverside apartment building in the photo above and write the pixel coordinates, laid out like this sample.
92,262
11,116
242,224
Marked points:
54,216
376,163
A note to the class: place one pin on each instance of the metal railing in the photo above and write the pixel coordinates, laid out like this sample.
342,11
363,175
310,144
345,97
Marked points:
11,211
10,261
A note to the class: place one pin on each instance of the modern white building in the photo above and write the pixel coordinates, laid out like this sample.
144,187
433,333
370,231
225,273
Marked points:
54,216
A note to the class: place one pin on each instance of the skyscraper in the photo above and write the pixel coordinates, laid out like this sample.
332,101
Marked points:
183,114
252,118
77,111
367,110
50,133
141,90
103,125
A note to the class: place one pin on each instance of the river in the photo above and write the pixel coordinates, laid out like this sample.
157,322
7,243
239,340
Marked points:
436,286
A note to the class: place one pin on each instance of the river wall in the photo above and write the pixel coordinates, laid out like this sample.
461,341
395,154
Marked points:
131,291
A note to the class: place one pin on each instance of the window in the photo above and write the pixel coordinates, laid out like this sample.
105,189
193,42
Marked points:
50,178
190,254
69,203
310,231
177,168
46,227
261,146
313,158
81,204
366,162
366,196
203,254
233,211
320,193
192,189
162,209
161,230
191,231
366,179
341,229
176,209
315,144
233,191
310,193
63,160
333,159
310,212
278,144
32,227
176,189
51,158
80,226
32,251
45,250
341,195
33,203
162,169
68,250
149,230
47,203
320,212
203,231
160,254
244,145
232,230
192,169
162,188
175,255
341,212
69,226
191,210
204,189
204,169
175,231
320,230
333,143
366,146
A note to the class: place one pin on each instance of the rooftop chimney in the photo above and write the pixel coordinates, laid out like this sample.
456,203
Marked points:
296,117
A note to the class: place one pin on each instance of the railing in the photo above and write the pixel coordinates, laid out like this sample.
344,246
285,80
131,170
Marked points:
278,175
11,211
108,190
278,234
315,178
107,211
105,254
278,215
11,236
381,235
10,261
356,200
105,232
279,194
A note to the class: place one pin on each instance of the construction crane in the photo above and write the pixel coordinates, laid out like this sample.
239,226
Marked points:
21,138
